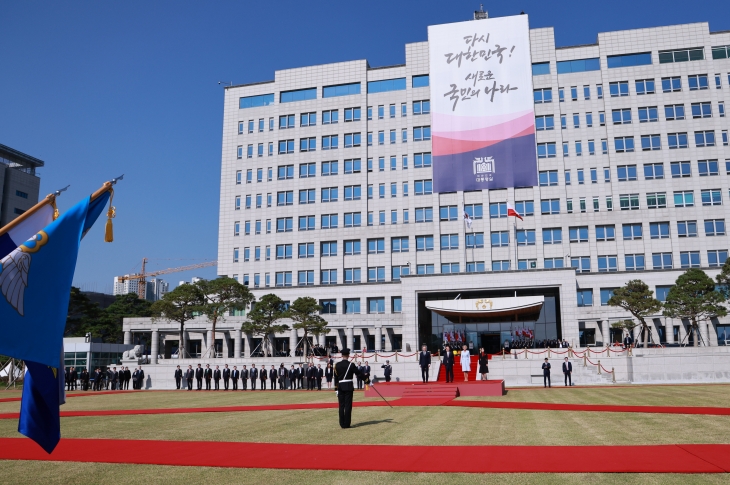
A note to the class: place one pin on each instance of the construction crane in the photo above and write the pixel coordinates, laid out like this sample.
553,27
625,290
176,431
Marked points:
141,277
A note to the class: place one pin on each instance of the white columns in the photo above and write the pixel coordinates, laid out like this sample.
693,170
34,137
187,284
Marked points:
237,343
209,344
378,338
669,331
127,337
320,339
247,345
606,331
293,341
682,333
705,331
155,346
350,338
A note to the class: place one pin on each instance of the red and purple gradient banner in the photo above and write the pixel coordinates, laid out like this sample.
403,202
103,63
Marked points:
482,116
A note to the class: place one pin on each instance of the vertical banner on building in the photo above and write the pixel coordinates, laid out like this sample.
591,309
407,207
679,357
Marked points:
483,121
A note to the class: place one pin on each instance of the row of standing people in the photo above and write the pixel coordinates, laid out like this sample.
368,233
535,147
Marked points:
281,378
448,360
111,379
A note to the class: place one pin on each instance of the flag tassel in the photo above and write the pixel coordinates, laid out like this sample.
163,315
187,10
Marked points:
110,214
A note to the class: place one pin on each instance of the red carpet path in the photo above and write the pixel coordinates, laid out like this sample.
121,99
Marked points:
391,458
713,411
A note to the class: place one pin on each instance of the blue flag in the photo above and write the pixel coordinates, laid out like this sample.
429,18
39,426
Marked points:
43,394
35,285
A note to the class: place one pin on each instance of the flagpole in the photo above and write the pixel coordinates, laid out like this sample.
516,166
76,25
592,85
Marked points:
49,199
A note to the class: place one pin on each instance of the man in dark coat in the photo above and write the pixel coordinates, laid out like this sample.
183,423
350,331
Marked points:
216,377
199,377
207,375
344,389
244,378
273,376
226,376
424,361
178,376
546,373
282,376
74,377
448,363
292,377
253,374
319,376
234,377
140,378
189,376
567,372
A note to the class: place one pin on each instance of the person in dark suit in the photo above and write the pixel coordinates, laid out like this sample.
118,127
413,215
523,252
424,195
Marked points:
74,377
244,378
178,376
234,377
127,378
424,361
567,372
328,375
67,376
189,376
115,378
387,370
483,364
140,378
135,374
84,380
311,376
282,376
253,374
448,363
319,376
628,341
344,389
263,375
301,376
366,369
207,375
546,373
292,378
359,376
216,377
273,377
199,377
226,376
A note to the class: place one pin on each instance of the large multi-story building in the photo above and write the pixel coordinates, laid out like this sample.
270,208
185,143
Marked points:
155,289
19,183
327,191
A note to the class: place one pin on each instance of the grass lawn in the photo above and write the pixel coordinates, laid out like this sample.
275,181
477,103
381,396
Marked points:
376,425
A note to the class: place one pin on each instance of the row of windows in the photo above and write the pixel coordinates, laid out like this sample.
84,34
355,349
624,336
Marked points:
625,60
626,144
623,116
628,173
332,91
332,116
581,264
585,295
669,84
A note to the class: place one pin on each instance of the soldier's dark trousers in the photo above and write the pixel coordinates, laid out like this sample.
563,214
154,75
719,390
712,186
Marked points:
345,399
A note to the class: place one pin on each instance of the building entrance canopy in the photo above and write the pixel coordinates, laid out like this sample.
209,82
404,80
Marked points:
487,307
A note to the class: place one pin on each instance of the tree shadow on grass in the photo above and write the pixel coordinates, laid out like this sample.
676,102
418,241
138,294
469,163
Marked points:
369,423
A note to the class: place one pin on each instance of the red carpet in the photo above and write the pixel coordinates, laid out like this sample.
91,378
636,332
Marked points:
390,458
715,411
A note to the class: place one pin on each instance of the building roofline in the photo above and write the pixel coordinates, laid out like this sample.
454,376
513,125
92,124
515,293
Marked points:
385,67
720,32
19,157
250,84
576,46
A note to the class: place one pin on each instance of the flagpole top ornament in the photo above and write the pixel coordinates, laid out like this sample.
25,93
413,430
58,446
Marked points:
117,179
59,191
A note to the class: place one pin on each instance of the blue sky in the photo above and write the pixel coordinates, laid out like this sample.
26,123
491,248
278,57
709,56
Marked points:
97,89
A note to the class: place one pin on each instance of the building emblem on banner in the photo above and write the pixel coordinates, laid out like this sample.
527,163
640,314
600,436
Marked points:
484,168
482,304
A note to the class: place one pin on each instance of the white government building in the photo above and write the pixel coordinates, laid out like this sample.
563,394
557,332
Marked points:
328,191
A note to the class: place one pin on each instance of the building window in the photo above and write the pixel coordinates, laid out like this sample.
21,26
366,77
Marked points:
626,173
376,274
421,107
352,275
618,89
632,232
329,142
677,140
386,85
376,305
711,197
544,95
605,233
659,230
681,55
526,237
352,305
552,236
283,278
475,211
661,260
500,265
424,243
621,116
656,200
352,247
674,112
697,82
340,90
716,258
607,264
701,110
297,95
687,228
547,206
624,144
421,133
645,86
581,264
328,306
449,242
500,238
714,227
286,121
546,150
648,114
671,84
578,234
650,142
255,101
680,169
689,259
653,171
704,139
329,168
635,262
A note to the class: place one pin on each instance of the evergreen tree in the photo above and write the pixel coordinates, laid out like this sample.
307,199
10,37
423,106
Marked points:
222,296
262,320
694,297
305,312
636,298
180,305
